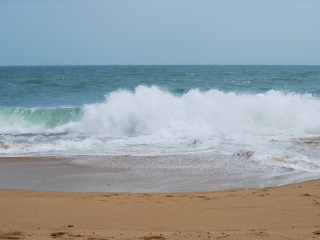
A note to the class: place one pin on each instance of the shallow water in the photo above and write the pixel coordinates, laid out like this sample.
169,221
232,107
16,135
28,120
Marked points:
142,174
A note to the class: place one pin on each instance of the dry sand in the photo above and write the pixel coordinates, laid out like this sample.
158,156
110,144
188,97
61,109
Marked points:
286,212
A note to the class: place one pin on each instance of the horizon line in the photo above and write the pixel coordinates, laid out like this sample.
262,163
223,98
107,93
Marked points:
61,65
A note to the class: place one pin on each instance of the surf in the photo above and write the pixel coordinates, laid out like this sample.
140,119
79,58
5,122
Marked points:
154,111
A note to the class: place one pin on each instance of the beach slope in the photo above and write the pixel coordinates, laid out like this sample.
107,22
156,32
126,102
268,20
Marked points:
285,212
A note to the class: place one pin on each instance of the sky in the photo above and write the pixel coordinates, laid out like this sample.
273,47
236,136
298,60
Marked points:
164,32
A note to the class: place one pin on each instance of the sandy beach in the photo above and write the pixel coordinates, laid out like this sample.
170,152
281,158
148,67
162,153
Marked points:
285,212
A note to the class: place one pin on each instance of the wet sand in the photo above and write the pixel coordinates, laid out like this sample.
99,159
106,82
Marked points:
285,212
139,174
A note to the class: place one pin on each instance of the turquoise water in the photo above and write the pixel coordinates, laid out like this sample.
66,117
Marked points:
269,115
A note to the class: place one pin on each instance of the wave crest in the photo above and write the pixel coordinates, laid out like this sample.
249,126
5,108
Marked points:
152,111
36,120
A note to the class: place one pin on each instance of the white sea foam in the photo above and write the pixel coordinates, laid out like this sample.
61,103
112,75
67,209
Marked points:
150,111
151,121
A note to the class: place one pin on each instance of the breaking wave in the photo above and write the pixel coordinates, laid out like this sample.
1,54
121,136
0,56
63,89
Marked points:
153,121
151,111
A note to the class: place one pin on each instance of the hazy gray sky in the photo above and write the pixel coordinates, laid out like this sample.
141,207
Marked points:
159,32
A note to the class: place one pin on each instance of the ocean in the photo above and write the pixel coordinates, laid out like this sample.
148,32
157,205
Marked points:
189,128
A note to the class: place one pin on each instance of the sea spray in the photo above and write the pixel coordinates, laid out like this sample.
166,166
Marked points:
151,111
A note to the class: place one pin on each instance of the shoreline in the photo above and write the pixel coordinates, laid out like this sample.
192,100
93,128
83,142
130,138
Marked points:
138,174
285,212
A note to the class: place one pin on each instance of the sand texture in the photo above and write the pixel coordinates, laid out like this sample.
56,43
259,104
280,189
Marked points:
286,212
